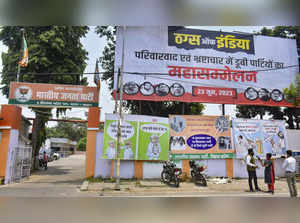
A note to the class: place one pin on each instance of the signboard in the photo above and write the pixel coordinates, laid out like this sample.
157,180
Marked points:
191,65
263,136
52,95
142,137
200,137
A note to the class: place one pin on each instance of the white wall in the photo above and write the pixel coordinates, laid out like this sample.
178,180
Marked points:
293,137
13,143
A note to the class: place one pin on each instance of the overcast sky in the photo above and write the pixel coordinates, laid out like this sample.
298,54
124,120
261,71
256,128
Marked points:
95,45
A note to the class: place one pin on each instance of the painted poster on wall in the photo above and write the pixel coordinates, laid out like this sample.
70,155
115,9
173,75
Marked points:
263,136
200,137
193,65
142,137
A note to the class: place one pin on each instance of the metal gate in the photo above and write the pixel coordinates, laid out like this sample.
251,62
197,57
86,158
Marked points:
21,163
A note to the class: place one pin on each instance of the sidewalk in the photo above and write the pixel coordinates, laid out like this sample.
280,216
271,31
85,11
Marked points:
216,187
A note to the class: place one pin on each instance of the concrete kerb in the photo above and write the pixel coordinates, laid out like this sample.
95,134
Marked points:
84,186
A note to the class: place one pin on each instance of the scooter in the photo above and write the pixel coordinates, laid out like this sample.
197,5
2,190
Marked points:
170,173
197,173
43,164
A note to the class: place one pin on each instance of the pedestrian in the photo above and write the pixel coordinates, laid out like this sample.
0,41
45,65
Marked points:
45,160
251,168
269,172
289,165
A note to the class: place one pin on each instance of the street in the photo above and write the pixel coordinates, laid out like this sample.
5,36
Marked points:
65,176
62,179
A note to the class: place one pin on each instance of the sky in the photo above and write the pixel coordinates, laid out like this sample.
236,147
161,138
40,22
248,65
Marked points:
94,46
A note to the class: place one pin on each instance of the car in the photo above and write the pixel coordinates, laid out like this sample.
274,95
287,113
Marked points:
56,156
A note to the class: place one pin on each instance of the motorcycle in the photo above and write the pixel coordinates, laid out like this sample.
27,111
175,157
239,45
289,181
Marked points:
197,173
43,164
170,173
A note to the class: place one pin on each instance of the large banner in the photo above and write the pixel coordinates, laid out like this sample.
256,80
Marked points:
263,136
142,137
200,137
53,95
190,65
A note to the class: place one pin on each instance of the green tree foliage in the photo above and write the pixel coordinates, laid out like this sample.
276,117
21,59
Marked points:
74,131
52,49
162,108
82,144
290,115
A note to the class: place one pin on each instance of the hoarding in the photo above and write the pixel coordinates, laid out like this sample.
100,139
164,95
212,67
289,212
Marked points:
52,95
142,137
191,65
200,137
263,136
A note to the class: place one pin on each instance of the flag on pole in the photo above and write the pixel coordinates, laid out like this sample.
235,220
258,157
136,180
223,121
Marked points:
24,61
96,75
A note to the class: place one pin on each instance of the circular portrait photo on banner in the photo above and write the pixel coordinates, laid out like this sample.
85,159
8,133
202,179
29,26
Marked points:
251,94
277,95
264,94
147,89
162,90
177,124
131,88
176,90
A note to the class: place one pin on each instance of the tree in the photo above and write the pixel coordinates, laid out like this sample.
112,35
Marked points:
52,49
74,131
161,108
82,144
290,115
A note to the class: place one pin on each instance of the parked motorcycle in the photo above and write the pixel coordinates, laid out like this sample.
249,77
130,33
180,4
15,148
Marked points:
43,164
197,173
171,173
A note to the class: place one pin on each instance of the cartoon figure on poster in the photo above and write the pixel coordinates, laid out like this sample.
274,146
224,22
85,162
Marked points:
246,136
127,140
274,140
154,148
153,141
111,150
128,151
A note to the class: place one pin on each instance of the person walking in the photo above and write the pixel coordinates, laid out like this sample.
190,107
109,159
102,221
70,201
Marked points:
269,172
45,160
289,165
251,168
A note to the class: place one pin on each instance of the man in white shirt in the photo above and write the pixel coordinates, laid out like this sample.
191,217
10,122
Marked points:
289,165
251,168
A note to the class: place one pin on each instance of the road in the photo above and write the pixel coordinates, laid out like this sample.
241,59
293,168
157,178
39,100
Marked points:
65,176
62,179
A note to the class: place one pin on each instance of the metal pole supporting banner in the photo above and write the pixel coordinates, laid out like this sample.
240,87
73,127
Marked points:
223,109
119,114
120,118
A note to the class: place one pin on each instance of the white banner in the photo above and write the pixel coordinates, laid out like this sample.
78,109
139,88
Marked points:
165,63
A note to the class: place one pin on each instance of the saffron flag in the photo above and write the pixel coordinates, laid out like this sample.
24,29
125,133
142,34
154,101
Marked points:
24,61
96,75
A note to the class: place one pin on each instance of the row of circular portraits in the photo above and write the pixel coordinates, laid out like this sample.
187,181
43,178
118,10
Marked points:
177,90
147,89
263,94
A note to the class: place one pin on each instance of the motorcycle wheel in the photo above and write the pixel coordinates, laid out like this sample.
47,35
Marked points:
203,181
165,177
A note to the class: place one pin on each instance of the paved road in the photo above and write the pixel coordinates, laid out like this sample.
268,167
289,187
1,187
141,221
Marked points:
62,179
